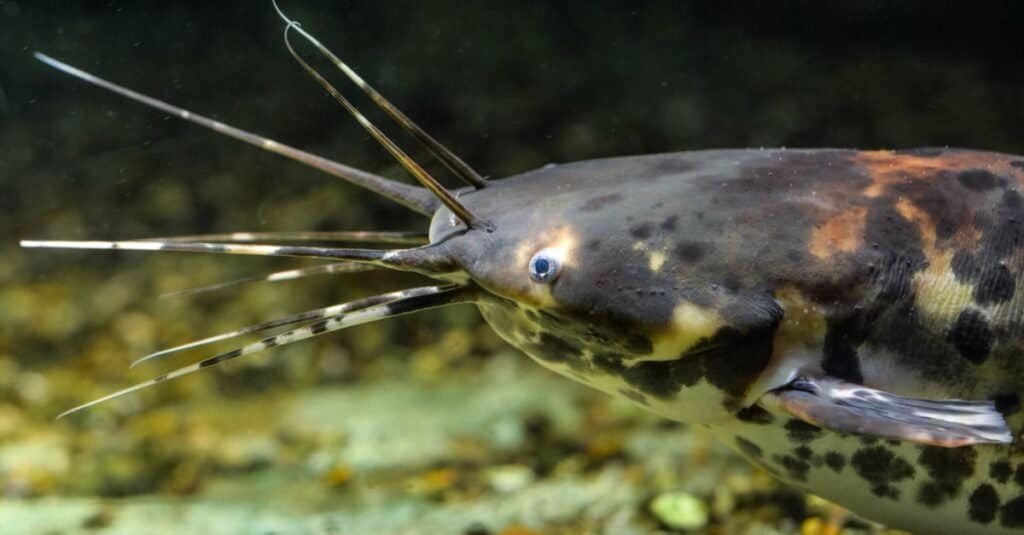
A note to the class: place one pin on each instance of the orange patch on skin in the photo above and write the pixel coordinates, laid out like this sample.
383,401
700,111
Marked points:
886,167
966,237
843,233
938,293
915,215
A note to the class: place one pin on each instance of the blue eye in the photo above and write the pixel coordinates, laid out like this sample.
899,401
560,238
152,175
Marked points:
544,267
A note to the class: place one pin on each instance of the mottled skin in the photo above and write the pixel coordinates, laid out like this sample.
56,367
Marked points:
695,282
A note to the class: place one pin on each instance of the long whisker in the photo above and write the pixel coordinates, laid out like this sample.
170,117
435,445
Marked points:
447,157
430,260
301,317
277,276
411,238
408,163
357,255
447,296
411,197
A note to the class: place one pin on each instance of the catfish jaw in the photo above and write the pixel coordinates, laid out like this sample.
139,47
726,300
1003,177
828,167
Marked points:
671,389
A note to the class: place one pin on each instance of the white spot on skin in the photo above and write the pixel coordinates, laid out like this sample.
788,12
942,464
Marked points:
690,325
656,260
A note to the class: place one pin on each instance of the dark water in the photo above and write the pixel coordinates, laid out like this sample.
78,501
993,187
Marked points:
424,424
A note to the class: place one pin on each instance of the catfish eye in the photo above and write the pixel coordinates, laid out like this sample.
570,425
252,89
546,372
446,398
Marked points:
544,267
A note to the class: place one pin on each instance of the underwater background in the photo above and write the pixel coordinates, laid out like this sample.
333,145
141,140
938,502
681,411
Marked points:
427,423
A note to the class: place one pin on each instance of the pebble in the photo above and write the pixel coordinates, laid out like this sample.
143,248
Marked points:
510,477
680,510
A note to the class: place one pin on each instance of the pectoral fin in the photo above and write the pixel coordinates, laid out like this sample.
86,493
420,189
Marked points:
850,408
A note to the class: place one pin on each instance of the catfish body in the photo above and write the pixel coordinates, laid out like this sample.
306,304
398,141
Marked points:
893,270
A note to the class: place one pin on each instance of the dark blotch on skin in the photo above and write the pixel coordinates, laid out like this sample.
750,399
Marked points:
801,431
559,347
995,285
803,452
749,448
1018,476
550,319
550,348
1011,514
732,282
638,344
839,352
735,359
971,336
660,379
796,468
900,239
880,467
983,504
754,414
670,223
948,468
1019,164
634,396
729,360
1000,471
886,491
835,461
690,252
596,203
642,231
965,267
1003,227
979,180
1007,404
930,495
1012,199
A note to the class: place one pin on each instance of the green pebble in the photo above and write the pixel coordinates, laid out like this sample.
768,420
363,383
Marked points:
680,510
